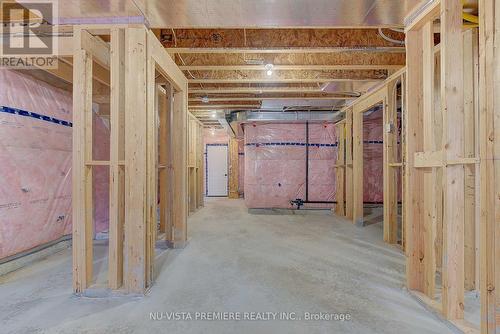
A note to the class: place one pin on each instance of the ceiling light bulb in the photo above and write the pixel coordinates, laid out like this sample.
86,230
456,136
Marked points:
214,115
212,131
269,72
269,66
204,99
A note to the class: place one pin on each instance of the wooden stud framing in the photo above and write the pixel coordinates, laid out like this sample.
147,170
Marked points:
429,175
390,139
136,163
195,163
117,154
233,169
440,145
201,167
384,94
133,58
179,164
349,166
163,114
340,170
357,164
453,175
165,107
489,132
471,57
413,177
82,173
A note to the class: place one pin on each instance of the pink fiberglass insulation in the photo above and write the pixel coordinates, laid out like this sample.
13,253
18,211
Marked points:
101,139
275,164
35,168
373,185
215,136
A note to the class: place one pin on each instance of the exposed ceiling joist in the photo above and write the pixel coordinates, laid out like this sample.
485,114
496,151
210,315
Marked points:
293,59
284,80
287,67
275,38
397,49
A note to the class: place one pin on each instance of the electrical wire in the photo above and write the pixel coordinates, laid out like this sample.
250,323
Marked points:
387,38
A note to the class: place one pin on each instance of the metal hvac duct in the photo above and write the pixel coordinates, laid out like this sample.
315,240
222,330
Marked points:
284,116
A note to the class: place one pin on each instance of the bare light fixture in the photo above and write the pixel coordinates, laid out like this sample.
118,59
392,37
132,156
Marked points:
269,69
204,99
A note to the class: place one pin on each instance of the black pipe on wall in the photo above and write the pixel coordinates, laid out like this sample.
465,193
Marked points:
299,202
307,161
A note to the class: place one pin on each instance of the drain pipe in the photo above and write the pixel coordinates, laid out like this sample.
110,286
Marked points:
300,202
307,161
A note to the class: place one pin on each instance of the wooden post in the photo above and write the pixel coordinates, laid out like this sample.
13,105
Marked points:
489,132
438,142
117,154
162,157
349,165
357,164
152,165
136,162
233,169
390,121
169,174
453,149
200,166
81,172
470,123
340,170
429,174
413,177
191,165
179,163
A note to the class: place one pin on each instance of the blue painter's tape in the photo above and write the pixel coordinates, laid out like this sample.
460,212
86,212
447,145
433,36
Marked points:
34,115
291,144
304,144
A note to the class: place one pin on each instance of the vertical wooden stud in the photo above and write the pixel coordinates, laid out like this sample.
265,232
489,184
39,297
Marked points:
179,162
349,165
116,185
233,168
340,170
81,173
413,178
200,165
357,164
470,49
489,134
390,172
136,162
453,147
429,174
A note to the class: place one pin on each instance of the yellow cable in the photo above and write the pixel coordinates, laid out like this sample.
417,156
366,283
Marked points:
470,18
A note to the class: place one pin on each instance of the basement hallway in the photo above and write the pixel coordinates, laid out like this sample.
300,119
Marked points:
236,262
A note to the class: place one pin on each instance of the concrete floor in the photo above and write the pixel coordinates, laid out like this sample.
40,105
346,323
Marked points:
236,262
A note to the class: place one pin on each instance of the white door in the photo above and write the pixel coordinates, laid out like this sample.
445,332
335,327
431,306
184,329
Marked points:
217,170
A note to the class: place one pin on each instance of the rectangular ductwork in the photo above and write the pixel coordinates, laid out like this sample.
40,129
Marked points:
288,116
